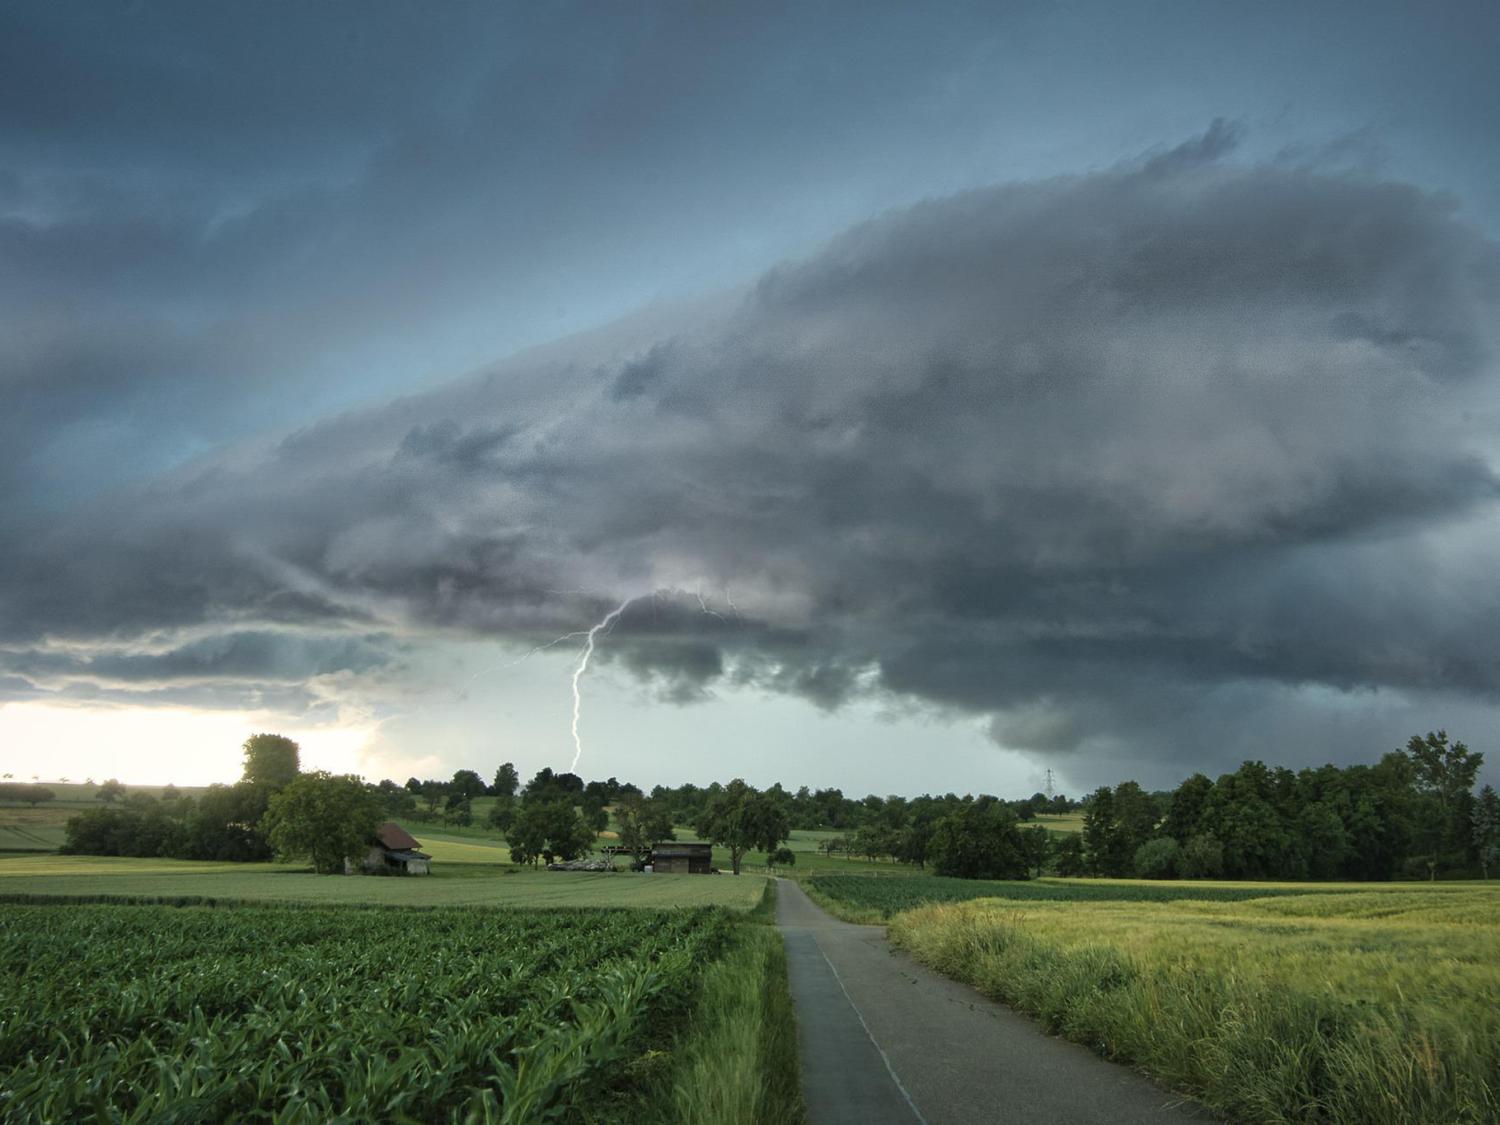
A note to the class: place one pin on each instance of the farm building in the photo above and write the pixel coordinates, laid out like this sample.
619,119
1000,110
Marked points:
393,849
682,859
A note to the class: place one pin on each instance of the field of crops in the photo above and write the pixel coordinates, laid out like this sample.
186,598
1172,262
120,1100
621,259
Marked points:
26,829
461,877
155,1013
31,837
861,899
1371,1006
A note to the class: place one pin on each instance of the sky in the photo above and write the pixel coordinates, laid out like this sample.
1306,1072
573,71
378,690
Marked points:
908,397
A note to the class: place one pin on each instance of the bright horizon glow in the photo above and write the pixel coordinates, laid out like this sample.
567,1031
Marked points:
157,746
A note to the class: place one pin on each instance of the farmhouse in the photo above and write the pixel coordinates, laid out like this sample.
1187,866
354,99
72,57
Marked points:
682,858
393,849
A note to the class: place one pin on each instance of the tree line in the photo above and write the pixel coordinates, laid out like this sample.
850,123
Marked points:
1413,814
21,793
233,823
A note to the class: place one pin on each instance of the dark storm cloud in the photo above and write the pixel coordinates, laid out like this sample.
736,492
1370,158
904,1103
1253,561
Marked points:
216,219
1120,460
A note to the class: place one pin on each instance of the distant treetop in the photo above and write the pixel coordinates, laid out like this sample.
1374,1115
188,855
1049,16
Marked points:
272,760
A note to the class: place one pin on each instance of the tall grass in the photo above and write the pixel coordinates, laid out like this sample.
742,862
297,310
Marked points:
737,1061
1370,1007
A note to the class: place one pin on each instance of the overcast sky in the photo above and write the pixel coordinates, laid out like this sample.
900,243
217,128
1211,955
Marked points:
946,392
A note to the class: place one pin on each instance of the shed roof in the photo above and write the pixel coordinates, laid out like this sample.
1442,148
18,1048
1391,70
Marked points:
685,848
393,836
407,854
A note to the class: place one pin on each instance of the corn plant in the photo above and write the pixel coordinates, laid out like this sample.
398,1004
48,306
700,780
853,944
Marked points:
151,1013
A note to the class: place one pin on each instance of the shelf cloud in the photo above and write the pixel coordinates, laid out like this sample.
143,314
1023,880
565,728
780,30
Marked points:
1114,461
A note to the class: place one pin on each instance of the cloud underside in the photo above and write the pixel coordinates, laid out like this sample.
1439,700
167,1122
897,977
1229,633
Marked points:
1093,457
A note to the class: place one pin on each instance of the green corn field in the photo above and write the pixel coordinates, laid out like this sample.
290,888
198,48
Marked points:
154,1013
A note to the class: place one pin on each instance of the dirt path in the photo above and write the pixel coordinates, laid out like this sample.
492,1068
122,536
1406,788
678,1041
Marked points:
885,1041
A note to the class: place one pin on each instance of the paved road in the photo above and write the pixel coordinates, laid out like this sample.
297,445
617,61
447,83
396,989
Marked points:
885,1041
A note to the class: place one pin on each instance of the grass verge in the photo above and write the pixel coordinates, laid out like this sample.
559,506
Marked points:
1371,1007
739,1065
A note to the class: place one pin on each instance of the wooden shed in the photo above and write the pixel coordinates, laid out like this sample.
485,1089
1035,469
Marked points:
393,849
672,858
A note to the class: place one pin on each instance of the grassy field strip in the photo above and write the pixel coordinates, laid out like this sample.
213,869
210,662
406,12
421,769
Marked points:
27,829
139,1013
59,866
739,1066
1371,1006
22,838
1062,823
453,849
460,884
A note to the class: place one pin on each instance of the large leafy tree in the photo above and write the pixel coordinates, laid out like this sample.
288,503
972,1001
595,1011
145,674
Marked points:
742,819
1104,845
979,840
1070,856
916,836
110,791
1444,775
272,760
1246,813
1037,843
433,794
547,785
1185,813
506,780
323,816
467,785
549,827
642,821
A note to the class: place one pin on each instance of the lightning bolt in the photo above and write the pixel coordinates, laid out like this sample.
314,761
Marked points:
591,637
703,605
604,625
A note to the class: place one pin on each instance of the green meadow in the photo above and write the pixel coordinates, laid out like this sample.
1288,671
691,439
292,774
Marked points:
465,873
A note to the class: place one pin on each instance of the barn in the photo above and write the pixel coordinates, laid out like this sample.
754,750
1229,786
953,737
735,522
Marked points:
673,858
393,850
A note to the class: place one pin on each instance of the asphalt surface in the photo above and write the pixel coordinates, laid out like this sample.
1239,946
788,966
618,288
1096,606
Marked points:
885,1041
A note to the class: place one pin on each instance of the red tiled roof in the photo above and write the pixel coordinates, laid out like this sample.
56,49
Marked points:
395,837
